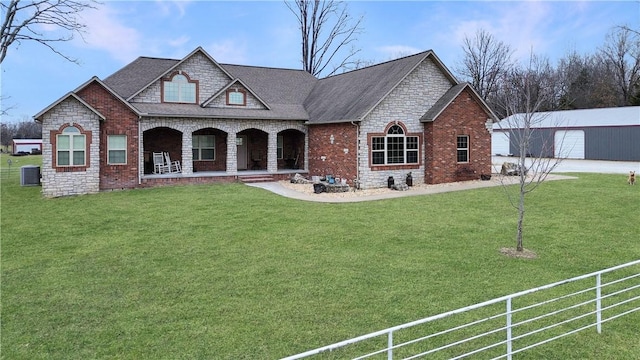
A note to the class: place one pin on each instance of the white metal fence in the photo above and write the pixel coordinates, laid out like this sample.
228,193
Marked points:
504,326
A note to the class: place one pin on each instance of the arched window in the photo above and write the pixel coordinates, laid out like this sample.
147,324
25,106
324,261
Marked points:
71,147
395,148
179,89
236,97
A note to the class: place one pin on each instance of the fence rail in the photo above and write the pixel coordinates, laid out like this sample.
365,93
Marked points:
507,325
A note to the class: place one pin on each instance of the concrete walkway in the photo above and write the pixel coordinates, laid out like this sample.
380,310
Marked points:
587,166
568,165
277,188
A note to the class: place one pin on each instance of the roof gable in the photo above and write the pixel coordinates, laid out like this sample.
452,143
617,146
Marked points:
450,96
69,95
157,69
230,85
353,95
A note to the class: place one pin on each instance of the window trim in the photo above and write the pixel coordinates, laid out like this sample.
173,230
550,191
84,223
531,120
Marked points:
53,138
110,149
385,135
189,81
199,148
233,91
465,149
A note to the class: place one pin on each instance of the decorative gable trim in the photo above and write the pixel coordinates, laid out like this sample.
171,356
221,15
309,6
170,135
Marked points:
37,116
169,71
224,90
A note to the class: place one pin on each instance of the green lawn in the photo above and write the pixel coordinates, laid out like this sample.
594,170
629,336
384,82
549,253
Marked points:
234,272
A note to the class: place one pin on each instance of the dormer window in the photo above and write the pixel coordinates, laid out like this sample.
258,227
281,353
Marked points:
180,89
236,97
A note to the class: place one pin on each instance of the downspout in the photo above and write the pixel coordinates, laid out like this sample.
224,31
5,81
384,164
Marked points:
140,147
357,179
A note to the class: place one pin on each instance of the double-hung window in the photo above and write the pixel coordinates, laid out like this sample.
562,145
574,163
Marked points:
204,147
395,148
117,149
462,145
70,147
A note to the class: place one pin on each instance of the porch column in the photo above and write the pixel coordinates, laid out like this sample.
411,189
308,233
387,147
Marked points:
272,153
187,155
232,154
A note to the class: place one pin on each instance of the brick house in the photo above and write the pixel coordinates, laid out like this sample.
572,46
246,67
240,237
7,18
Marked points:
226,122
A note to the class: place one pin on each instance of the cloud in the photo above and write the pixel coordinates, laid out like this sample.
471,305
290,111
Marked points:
178,42
228,51
169,8
105,32
397,51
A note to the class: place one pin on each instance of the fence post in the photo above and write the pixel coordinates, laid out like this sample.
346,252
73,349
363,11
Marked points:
599,302
509,348
390,346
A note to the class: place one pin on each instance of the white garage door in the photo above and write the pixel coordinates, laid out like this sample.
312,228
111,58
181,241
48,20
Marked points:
569,144
500,143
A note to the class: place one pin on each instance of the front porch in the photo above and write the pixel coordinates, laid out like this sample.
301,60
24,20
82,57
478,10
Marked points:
219,150
206,177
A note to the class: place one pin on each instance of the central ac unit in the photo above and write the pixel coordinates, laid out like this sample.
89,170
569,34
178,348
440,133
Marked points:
30,175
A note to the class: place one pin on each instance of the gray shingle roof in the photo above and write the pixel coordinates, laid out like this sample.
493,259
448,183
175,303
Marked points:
273,85
290,94
138,74
349,96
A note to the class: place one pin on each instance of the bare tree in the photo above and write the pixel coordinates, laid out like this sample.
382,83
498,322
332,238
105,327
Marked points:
26,20
328,31
485,62
621,54
523,95
585,83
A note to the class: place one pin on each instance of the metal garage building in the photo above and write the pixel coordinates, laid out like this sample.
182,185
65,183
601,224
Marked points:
594,134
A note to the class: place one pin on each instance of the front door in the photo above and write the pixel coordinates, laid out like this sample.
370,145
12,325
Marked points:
241,142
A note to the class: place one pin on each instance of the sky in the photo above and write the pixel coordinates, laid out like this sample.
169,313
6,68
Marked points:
265,33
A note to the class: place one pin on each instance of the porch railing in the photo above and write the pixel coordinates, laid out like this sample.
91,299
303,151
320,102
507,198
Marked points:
507,325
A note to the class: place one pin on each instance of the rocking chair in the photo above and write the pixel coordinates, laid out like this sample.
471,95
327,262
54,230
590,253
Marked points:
174,166
159,166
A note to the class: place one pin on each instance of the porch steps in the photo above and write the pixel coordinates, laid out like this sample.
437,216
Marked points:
247,179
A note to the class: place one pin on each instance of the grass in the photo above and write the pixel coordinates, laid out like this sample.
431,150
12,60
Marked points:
234,272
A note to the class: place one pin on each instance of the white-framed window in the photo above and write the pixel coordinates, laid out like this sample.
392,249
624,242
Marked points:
204,147
280,147
71,147
462,145
179,89
395,148
116,149
236,97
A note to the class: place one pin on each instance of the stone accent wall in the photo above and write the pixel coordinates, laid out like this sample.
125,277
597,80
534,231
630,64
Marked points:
338,158
61,183
252,102
210,77
464,116
120,120
407,103
231,127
